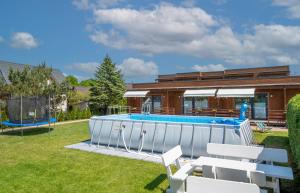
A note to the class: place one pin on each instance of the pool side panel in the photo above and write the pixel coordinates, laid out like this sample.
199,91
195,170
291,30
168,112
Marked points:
160,137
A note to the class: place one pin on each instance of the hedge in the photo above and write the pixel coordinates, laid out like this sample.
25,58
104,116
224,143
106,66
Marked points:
293,120
74,115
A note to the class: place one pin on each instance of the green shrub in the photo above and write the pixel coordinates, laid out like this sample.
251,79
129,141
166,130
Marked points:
74,114
293,120
3,118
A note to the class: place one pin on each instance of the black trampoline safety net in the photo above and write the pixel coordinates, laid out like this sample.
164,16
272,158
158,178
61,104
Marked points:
34,109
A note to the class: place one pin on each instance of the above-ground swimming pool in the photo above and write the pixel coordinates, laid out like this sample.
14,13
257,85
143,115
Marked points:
159,133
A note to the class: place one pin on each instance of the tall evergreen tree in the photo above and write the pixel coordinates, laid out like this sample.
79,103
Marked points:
109,87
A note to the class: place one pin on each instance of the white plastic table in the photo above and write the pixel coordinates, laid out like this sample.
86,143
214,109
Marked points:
248,152
268,170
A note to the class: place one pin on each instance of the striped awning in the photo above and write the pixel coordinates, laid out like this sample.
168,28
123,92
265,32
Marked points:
135,94
236,92
200,93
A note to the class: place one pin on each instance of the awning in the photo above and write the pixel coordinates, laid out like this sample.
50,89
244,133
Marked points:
199,93
237,92
135,93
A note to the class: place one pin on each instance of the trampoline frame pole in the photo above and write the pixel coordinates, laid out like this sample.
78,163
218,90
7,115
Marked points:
54,108
21,113
49,114
1,118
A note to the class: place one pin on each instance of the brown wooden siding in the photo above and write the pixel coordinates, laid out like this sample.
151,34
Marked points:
261,82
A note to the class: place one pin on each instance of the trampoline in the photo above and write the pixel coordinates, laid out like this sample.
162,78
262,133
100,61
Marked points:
28,112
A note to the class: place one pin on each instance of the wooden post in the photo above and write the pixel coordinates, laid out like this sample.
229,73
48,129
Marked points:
167,99
284,98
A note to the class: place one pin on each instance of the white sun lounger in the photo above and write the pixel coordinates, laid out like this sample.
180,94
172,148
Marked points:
256,153
207,185
178,179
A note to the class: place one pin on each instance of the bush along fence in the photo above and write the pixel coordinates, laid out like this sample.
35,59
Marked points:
293,119
3,118
74,115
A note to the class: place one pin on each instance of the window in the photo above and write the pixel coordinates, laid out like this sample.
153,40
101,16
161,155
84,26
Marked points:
201,103
156,103
260,105
198,103
240,101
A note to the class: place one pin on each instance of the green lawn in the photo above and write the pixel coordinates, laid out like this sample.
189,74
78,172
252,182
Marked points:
39,163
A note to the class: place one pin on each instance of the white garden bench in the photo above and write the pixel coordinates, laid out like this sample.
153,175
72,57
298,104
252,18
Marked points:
178,179
211,165
207,185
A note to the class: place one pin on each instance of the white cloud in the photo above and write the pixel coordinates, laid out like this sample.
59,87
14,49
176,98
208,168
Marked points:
85,67
192,31
293,7
270,44
209,67
107,3
94,4
1,39
81,4
162,29
23,40
134,67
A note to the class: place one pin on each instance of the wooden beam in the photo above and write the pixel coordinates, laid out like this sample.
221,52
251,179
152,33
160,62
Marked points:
284,98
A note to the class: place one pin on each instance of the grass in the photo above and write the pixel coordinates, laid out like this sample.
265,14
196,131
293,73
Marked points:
279,139
38,162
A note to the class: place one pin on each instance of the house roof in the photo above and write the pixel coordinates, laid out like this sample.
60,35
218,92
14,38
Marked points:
5,66
82,89
243,73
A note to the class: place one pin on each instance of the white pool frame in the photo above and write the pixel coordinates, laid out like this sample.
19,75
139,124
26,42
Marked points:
156,137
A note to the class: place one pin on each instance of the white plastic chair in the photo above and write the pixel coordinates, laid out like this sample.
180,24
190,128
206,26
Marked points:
177,180
241,152
207,185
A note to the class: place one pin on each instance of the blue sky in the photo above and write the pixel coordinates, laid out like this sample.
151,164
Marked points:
146,38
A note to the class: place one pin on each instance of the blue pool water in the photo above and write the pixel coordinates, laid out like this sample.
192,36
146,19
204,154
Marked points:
186,119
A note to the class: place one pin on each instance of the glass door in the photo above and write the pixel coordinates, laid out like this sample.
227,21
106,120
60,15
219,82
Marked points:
188,105
260,106
156,104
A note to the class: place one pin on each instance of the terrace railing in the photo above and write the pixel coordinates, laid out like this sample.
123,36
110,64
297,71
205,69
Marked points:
217,112
118,109
159,110
277,116
164,110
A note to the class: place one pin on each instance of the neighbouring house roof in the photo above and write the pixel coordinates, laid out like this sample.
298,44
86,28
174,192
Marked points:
82,89
5,66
